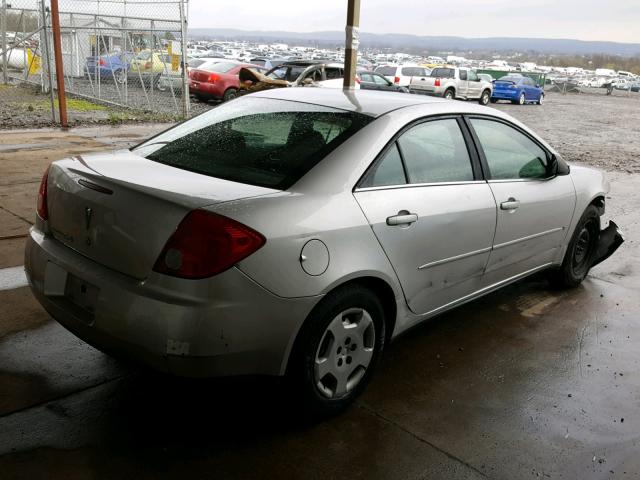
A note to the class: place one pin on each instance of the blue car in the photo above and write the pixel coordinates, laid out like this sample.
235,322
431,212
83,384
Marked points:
111,66
517,89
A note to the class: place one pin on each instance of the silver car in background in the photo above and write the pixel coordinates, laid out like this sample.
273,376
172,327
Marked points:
295,232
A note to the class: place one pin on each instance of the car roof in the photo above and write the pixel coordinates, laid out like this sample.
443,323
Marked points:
369,102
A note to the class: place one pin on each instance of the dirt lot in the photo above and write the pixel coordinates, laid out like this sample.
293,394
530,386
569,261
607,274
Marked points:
594,129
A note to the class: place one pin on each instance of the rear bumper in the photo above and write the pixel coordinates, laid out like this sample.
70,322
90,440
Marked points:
502,95
205,89
225,325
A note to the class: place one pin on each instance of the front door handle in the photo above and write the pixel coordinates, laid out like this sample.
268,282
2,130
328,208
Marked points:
510,204
402,218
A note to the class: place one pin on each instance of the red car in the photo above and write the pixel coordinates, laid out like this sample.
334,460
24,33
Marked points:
219,81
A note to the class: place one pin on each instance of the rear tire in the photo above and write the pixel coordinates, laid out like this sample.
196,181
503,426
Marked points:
494,100
580,252
326,370
485,98
229,94
450,94
522,99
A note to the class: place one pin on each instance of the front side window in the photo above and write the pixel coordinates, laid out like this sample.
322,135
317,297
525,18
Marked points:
381,80
436,151
473,77
258,141
509,153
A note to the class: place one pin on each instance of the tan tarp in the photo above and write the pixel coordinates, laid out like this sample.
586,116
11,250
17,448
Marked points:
253,81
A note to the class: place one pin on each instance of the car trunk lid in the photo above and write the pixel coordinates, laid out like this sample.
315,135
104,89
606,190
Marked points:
119,209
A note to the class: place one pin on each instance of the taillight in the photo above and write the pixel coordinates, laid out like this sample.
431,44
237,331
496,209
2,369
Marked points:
205,244
41,206
213,78
102,62
396,79
436,83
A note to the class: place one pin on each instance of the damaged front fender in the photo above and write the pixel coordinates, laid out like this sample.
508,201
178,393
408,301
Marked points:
608,242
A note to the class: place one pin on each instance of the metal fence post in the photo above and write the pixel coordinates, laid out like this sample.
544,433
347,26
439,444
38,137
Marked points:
57,47
3,32
185,84
45,53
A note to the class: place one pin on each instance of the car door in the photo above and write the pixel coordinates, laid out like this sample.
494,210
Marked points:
367,81
535,206
431,212
463,83
474,85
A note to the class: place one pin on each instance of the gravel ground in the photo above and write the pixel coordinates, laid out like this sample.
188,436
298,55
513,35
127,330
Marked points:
590,128
594,129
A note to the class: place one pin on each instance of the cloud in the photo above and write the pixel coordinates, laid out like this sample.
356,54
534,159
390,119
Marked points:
579,19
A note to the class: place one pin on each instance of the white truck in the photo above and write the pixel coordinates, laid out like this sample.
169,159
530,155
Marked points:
453,82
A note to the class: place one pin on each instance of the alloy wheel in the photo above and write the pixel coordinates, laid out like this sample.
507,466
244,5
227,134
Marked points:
344,353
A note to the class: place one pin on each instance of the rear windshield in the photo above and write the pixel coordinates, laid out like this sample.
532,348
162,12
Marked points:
259,141
221,67
510,79
386,71
196,62
443,73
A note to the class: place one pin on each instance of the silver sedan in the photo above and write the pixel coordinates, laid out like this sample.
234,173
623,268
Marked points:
295,232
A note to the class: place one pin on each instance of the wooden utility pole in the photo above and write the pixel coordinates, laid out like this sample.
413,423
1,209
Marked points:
57,52
351,44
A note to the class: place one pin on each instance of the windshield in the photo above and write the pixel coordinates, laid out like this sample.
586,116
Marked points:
259,141
286,72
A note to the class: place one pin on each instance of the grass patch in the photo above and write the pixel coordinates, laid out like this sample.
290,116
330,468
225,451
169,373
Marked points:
73,105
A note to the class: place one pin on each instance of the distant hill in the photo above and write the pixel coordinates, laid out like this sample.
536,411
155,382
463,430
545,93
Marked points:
432,43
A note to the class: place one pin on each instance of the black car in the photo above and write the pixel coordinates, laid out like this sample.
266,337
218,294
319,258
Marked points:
374,81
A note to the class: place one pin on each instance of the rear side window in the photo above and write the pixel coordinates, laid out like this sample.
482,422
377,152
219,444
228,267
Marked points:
414,72
509,153
386,71
388,171
443,72
435,151
463,75
258,141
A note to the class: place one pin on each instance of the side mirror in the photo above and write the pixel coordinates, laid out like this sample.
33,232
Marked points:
552,166
538,85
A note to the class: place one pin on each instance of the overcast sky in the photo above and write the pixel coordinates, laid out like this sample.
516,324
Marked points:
613,20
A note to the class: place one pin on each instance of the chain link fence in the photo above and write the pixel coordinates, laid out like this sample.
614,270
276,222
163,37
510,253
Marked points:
126,53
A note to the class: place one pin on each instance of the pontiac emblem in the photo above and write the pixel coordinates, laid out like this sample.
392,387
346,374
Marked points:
87,217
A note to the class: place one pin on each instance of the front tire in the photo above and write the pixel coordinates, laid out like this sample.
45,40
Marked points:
580,252
541,99
337,350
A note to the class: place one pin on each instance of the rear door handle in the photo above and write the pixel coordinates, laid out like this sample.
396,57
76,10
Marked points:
403,218
510,204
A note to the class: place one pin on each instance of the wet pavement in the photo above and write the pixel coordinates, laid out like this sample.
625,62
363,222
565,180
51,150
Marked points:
527,382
